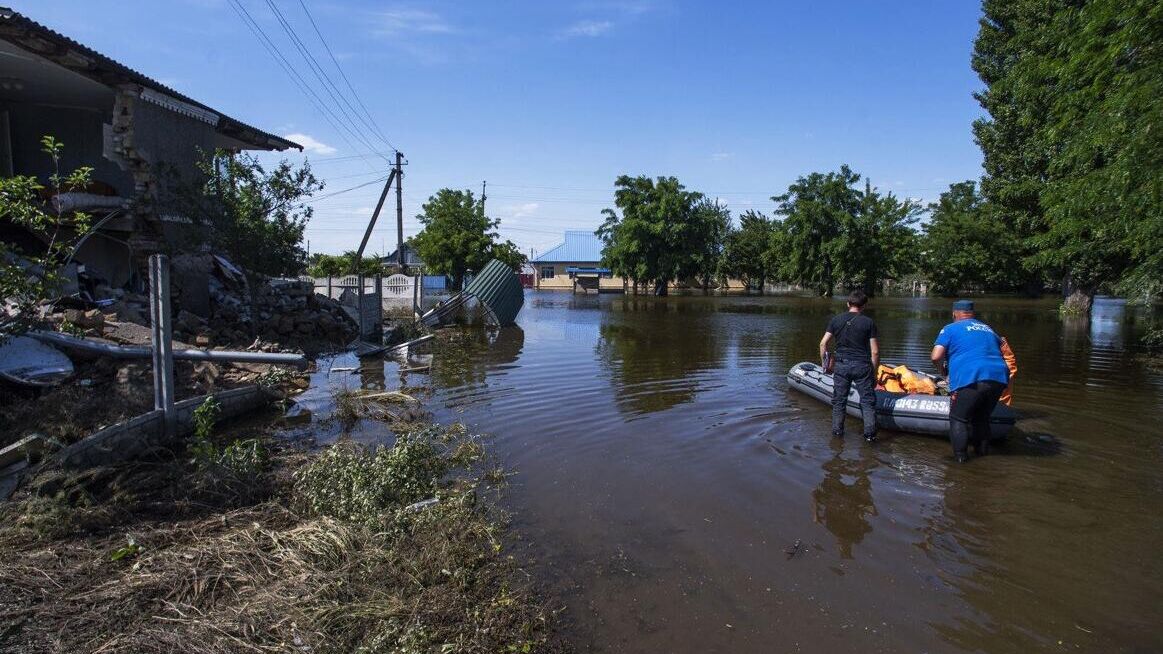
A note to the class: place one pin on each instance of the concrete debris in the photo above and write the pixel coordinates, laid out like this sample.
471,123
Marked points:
216,304
28,448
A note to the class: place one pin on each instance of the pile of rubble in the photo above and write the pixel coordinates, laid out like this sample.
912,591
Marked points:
215,304
283,311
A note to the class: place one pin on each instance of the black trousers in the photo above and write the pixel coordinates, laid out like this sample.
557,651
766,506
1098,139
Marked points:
846,375
969,415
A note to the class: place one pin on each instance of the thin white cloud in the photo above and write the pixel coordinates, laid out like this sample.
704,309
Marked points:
520,210
404,20
310,144
722,156
587,29
627,7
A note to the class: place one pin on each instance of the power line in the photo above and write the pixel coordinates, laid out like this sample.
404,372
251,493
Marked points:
342,74
288,68
346,190
313,65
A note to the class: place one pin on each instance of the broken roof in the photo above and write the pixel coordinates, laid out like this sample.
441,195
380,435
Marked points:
27,34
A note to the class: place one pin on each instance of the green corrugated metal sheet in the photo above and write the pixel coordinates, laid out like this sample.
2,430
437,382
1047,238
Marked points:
500,290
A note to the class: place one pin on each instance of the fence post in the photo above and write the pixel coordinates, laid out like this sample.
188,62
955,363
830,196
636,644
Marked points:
418,280
163,345
329,296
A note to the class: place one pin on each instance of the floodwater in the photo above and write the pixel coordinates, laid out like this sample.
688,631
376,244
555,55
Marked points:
678,497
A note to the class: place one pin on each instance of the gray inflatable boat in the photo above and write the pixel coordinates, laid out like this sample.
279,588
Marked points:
923,414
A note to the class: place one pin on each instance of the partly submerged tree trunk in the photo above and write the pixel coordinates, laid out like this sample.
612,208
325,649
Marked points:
1079,298
660,288
1079,302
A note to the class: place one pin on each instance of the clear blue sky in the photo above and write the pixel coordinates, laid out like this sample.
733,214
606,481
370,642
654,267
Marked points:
550,101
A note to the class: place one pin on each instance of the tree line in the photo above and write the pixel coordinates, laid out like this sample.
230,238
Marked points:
828,231
1071,198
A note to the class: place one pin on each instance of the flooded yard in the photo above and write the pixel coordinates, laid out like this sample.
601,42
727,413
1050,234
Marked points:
680,498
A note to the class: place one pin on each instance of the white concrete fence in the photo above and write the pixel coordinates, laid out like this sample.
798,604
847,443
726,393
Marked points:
395,290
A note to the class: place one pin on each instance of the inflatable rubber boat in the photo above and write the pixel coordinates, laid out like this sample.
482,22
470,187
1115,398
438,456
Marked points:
923,414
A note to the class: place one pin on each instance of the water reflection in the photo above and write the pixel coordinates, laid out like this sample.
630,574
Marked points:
470,353
652,365
843,500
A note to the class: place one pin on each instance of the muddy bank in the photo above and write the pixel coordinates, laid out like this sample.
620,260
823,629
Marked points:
249,538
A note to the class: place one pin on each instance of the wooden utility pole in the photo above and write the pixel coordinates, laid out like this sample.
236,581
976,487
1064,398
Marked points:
484,185
397,176
371,225
400,210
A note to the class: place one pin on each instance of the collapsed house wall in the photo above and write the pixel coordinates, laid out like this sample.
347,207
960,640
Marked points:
78,129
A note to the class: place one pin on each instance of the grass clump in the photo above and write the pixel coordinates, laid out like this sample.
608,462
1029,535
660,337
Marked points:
351,483
234,470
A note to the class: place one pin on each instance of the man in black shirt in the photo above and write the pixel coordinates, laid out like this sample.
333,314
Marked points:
857,358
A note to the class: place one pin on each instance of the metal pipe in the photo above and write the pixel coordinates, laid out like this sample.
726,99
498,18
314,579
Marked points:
142,352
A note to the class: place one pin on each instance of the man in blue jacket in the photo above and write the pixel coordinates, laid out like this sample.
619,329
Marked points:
970,352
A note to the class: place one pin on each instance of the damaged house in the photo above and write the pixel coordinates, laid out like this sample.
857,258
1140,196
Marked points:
134,131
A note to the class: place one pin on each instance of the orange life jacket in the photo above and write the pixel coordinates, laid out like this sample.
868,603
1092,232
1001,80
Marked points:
902,380
1007,396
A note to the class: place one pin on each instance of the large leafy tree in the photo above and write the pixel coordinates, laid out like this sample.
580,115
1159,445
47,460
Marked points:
877,241
710,222
834,233
1072,146
967,246
1011,37
663,233
745,247
459,238
257,217
815,210
1104,192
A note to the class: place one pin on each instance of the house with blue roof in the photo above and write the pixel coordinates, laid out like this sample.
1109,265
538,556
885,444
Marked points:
575,264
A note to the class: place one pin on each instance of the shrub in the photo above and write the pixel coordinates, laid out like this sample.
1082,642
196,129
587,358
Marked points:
28,279
348,482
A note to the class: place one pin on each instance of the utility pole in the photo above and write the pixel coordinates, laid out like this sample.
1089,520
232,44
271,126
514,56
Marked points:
400,210
484,185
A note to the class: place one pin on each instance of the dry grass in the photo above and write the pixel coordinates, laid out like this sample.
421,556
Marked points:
352,405
275,576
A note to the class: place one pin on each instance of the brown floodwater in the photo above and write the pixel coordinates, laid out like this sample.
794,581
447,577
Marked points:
678,497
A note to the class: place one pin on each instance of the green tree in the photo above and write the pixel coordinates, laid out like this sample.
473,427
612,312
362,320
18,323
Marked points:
833,234
711,222
256,217
967,246
745,250
816,209
1104,190
509,255
31,276
877,242
338,265
458,237
661,234
1011,37
1072,146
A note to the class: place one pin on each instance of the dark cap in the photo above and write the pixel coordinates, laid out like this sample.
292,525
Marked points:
963,305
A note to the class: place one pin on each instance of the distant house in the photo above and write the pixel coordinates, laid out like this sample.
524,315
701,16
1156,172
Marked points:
575,264
411,258
135,132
